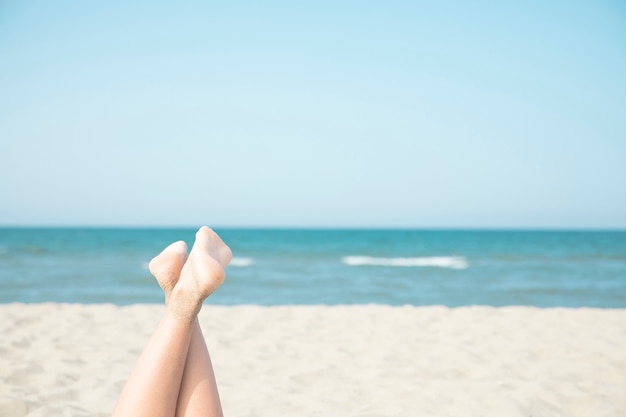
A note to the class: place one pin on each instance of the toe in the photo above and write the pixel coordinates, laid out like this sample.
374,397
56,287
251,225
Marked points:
169,262
209,242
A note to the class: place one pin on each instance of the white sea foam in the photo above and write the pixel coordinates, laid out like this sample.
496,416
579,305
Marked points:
454,262
241,262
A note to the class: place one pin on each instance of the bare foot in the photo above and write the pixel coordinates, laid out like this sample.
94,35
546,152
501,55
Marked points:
167,265
201,274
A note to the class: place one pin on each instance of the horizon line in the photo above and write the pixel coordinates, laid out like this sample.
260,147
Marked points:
321,228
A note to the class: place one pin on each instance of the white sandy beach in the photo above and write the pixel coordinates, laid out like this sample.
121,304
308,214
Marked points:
72,360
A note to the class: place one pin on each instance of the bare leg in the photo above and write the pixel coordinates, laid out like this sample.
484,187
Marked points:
198,393
154,385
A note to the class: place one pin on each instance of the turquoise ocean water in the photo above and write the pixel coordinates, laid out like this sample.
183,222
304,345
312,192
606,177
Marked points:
273,267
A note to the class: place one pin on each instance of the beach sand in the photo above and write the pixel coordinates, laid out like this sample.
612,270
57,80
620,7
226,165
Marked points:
72,360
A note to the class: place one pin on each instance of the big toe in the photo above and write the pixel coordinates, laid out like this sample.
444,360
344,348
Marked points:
210,243
166,266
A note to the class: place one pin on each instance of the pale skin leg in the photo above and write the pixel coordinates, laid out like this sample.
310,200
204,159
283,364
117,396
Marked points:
173,375
198,393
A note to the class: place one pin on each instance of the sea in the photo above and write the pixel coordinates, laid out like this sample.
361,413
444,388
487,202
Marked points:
326,267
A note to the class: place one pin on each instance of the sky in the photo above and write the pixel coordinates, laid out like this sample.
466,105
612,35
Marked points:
329,114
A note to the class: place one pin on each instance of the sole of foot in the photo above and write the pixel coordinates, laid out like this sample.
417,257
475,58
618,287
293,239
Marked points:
202,273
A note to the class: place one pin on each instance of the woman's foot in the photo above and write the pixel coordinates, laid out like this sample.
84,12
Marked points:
201,274
167,265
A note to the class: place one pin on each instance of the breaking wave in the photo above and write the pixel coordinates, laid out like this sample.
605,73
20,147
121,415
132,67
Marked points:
240,262
454,262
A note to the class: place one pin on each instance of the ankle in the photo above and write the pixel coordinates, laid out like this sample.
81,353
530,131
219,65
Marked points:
183,304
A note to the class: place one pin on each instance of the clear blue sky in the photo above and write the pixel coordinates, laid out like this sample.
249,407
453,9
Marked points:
352,114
